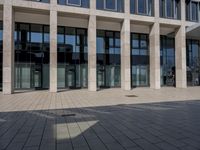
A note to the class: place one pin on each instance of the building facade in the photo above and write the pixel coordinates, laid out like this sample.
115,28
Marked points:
94,44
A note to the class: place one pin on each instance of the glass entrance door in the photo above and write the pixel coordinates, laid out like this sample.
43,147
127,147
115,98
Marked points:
70,79
72,76
108,76
37,77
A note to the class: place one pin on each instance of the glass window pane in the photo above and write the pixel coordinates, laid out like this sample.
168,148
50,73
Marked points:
142,6
60,35
132,6
46,34
110,4
36,34
24,33
70,39
135,40
194,11
135,52
143,41
117,39
74,2
169,7
150,12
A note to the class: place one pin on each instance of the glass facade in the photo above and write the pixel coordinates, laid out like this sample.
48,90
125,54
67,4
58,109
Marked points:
108,59
1,53
192,11
78,3
142,7
193,62
167,60
139,60
72,58
31,56
170,9
111,5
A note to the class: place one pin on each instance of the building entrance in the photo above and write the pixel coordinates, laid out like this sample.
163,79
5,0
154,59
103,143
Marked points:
72,58
108,59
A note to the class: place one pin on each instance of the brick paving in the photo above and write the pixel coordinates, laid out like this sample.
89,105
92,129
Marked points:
141,119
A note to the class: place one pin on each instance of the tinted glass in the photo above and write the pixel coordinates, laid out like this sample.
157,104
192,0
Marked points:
72,57
141,6
31,56
194,11
36,33
167,61
74,2
169,8
110,4
79,3
139,60
108,59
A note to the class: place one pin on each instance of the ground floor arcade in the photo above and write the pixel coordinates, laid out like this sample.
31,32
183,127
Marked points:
94,53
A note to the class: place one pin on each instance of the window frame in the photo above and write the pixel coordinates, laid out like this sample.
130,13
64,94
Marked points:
189,11
70,4
175,8
148,8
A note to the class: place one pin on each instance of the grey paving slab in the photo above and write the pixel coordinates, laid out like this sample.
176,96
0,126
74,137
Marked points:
77,120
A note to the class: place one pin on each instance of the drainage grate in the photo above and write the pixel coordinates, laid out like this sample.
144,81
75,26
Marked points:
68,115
131,96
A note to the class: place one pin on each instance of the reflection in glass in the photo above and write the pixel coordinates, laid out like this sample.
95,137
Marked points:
139,60
193,62
167,60
141,7
72,58
79,3
111,5
74,2
108,59
170,9
31,56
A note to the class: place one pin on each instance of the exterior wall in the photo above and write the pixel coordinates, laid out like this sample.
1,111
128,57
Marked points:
105,25
73,22
1,15
32,18
92,19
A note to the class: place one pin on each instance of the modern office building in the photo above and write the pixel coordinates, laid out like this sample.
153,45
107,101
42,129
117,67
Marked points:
94,44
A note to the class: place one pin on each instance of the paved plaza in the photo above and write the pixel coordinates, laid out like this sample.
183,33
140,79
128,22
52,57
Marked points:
110,119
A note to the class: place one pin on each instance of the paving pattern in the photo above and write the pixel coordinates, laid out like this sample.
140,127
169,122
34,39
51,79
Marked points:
141,119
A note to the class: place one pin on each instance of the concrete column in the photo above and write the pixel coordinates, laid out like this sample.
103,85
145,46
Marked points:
53,47
180,52
125,56
92,69
154,38
8,48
